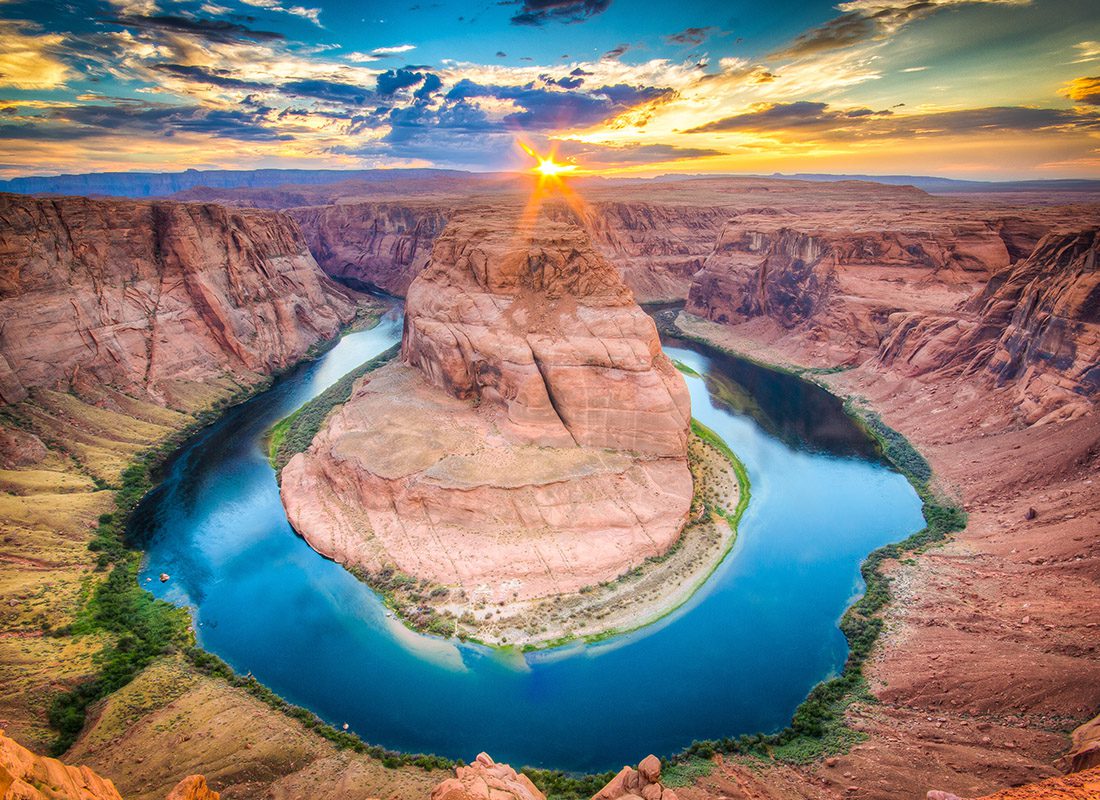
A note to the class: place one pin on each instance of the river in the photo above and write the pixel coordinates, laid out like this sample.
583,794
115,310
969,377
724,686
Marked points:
737,658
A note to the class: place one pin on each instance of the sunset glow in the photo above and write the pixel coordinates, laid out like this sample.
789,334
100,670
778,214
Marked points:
988,89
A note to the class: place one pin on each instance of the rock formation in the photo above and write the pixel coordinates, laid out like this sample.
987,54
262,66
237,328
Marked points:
26,776
383,245
193,787
487,780
839,283
643,783
1034,326
534,440
151,297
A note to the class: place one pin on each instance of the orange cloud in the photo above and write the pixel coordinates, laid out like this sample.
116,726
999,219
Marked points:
1084,90
26,58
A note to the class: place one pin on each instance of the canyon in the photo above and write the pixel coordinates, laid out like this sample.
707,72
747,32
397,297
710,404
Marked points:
969,323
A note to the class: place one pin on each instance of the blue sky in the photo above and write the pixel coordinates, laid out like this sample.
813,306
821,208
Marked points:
968,88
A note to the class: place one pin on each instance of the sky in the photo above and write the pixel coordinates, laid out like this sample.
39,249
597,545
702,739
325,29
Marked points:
981,89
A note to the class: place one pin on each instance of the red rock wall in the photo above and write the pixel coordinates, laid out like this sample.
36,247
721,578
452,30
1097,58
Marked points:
144,295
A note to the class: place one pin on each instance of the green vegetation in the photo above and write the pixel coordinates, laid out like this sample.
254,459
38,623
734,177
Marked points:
141,626
684,368
716,441
558,785
686,771
294,433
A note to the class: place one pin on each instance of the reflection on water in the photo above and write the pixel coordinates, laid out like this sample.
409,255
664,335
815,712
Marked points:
737,658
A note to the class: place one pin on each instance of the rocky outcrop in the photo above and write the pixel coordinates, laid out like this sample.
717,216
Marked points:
541,324
151,297
193,787
486,780
383,245
1035,327
532,443
26,776
643,783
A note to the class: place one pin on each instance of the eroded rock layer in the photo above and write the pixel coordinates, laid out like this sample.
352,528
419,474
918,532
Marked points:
147,297
1035,326
532,442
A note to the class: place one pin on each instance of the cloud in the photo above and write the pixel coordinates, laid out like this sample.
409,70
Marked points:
129,117
331,91
1087,51
871,20
312,14
631,153
212,30
543,109
812,120
539,12
394,80
28,58
692,36
211,77
1084,90
617,51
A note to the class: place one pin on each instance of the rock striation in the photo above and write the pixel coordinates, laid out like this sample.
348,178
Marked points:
1035,326
486,780
383,245
153,297
532,442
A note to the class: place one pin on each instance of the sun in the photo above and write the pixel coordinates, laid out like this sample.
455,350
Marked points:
549,168
546,167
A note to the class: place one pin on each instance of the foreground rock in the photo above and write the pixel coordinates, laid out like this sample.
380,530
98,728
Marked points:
26,776
154,298
532,443
487,780
643,783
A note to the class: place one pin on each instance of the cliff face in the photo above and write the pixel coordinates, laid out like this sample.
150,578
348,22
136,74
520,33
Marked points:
533,442
381,244
546,328
840,284
150,297
1034,326
656,247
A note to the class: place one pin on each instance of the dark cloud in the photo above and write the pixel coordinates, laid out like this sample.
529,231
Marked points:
144,119
501,54
820,121
212,77
567,82
692,36
330,91
581,73
546,108
394,80
539,12
592,154
617,51
842,31
432,84
871,23
214,30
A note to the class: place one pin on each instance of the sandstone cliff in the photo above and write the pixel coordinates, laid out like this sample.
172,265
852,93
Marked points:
1034,326
533,442
383,245
26,776
152,297
838,284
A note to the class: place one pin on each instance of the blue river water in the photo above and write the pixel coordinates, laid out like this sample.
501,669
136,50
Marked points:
737,658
